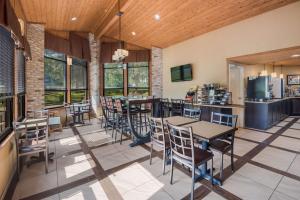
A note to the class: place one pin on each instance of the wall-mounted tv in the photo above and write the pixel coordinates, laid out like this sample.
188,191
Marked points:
182,73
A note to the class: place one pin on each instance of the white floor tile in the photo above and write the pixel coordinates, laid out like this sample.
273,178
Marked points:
289,187
213,196
246,188
241,147
252,135
295,167
287,143
292,132
275,158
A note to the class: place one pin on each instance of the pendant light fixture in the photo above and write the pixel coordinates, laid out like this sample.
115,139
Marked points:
273,74
120,53
264,72
281,74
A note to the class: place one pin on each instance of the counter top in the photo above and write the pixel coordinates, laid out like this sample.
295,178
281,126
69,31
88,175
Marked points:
220,106
273,100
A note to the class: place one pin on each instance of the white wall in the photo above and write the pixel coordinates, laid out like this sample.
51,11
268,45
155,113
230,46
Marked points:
207,53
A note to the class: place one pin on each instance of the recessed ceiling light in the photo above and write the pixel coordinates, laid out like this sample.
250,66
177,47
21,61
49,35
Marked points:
73,18
295,55
133,33
157,17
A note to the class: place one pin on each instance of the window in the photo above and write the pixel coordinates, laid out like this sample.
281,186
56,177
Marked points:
7,46
57,91
113,80
78,80
138,79
20,64
55,78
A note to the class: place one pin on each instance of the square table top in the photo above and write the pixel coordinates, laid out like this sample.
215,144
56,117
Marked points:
179,120
208,131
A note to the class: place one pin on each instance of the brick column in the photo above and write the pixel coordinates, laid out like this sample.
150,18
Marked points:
157,72
94,73
35,67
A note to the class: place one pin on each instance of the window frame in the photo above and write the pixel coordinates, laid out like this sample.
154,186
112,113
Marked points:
65,90
148,88
8,97
86,89
68,77
123,74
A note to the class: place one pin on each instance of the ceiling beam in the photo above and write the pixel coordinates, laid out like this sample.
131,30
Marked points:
111,18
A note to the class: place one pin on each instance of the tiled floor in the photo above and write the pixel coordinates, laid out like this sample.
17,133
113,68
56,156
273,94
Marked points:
89,165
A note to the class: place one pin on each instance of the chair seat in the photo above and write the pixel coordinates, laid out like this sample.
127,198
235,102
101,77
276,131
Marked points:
202,155
220,146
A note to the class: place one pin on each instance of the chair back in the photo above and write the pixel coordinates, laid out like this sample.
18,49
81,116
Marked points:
181,142
176,106
102,102
118,105
33,129
224,119
227,120
68,109
157,131
164,106
37,114
192,113
109,103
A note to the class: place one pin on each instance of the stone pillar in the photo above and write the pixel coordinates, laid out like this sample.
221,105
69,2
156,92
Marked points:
94,73
157,72
35,67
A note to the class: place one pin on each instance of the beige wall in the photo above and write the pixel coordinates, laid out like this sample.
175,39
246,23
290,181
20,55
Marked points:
207,53
8,159
254,70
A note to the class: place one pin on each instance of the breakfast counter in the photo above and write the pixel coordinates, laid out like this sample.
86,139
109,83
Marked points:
264,115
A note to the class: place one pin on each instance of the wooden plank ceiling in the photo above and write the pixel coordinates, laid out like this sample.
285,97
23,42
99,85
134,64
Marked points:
180,19
276,57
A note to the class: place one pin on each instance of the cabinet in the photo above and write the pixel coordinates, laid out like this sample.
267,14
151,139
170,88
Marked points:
264,115
295,106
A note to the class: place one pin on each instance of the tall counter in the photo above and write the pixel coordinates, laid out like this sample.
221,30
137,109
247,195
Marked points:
264,115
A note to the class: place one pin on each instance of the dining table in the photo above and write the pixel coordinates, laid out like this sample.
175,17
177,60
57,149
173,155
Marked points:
205,132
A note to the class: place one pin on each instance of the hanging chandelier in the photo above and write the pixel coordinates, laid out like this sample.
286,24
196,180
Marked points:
120,53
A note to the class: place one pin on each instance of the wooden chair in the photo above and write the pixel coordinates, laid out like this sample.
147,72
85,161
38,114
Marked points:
184,152
192,113
226,143
32,138
176,107
159,138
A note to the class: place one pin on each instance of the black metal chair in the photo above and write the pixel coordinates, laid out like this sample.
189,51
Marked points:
165,107
192,113
176,107
111,115
87,108
121,119
226,143
104,110
159,138
184,152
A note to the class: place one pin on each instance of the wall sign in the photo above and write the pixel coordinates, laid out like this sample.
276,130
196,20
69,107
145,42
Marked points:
293,79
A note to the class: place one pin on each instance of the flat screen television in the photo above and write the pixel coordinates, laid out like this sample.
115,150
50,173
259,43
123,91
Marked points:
181,73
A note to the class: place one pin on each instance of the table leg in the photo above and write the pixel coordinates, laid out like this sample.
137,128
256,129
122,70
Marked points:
204,172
